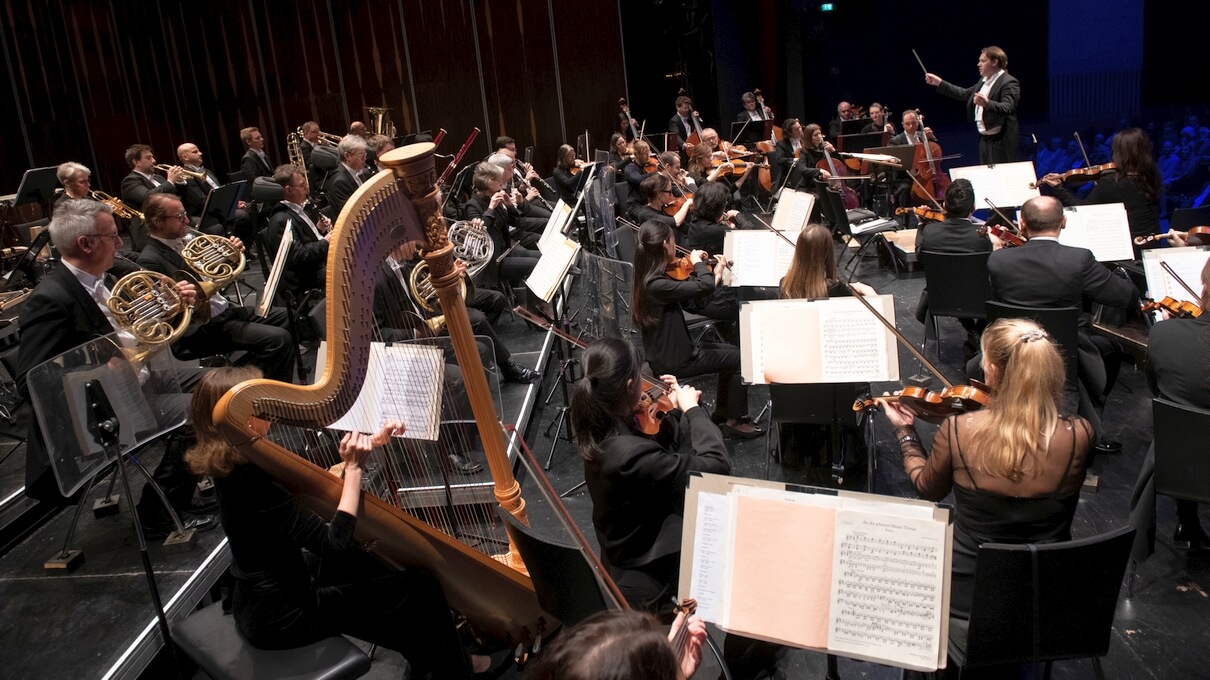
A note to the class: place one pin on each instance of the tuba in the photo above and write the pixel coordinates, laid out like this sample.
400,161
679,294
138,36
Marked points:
119,208
380,121
151,308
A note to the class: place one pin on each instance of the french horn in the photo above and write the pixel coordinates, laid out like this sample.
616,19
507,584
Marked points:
472,245
149,305
216,261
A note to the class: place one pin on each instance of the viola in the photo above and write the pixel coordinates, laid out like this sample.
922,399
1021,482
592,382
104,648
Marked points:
1181,309
652,165
1089,173
923,212
681,268
654,403
671,208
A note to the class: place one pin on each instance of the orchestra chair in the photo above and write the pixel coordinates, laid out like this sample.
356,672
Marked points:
210,638
567,586
834,211
826,404
1062,325
622,189
958,286
1042,603
627,243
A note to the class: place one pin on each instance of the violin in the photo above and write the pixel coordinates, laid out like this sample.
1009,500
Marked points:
934,406
1196,236
1089,173
933,182
671,208
1010,239
681,268
923,212
654,403
1181,309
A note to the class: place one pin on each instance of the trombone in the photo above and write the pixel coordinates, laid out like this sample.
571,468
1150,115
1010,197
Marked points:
119,208
199,176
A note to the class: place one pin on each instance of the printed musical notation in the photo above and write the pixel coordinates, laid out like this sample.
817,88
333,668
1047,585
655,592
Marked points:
887,586
853,344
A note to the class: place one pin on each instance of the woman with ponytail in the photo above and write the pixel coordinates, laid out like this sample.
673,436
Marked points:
1015,466
637,483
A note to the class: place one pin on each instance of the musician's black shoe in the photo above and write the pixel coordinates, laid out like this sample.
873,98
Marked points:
162,528
463,465
202,504
1188,537
519,374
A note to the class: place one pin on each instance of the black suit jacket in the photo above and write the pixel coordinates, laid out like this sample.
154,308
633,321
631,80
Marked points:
638,488
306,264
196,191
1044,273
1001,109
1170,373
954,235
58,316
306,148
339,187
252,166
135,190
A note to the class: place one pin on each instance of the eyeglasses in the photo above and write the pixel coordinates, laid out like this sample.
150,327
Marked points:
115,236
182,215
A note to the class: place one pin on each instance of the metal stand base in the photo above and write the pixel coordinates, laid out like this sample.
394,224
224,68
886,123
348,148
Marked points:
64,563
105,507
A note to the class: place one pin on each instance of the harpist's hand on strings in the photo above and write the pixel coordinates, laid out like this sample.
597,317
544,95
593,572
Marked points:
355,447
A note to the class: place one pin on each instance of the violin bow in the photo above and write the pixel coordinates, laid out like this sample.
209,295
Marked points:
770,228
899,336
1087,163
1179,280
1002,215
926,191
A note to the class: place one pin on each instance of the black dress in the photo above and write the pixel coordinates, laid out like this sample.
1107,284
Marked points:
1142,213
286,597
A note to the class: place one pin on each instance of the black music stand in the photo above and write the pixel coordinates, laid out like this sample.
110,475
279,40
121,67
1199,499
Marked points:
38,185
862,141
853,127
221,204
748,133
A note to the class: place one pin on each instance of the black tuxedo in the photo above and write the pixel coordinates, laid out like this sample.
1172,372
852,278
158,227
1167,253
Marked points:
803,172
196,191
267,339
954,235
901,139
1000,112
339,187
252,166
500,221
135,190
1045,273
681,129
306,265
58,316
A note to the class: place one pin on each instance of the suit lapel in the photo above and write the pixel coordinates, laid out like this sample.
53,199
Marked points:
97,322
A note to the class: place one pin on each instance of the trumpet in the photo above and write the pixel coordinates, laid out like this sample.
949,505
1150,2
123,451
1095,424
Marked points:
119,208
199,176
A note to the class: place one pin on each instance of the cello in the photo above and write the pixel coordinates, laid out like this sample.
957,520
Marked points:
847,196
932,182
634,133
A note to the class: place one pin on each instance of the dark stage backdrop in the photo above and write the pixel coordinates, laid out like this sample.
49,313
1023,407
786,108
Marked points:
84,79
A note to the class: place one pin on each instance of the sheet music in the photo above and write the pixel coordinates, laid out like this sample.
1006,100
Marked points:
711,536
403,381
279,266
1187,262
761,258
1103,229
1006,184
852,343
544,280
844,341
887,587
793,210
553,231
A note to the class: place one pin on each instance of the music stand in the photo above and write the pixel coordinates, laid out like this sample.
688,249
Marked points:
600,202
38,185
1185,218
98,409
221,204
904,153
862,141
750,134
853,127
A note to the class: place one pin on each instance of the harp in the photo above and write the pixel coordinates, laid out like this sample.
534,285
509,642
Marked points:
401,202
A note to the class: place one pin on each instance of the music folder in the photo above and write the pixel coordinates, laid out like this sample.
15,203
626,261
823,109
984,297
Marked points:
221,204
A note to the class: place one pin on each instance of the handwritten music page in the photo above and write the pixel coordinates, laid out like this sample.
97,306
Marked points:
848,344
552,267
711,537
403,381
1006,184
552,233
1103,229
1187,262
761,258
888,588
793,210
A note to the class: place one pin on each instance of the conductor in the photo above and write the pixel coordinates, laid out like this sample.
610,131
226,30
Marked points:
991,103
